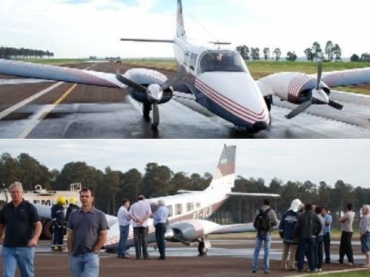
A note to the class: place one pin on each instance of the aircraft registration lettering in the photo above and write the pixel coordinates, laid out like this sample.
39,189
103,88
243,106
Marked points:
204,213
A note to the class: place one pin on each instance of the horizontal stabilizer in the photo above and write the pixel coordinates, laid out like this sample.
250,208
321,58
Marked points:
220,42
186,191
147,40
253,194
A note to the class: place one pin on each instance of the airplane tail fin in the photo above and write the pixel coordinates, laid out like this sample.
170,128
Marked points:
224,176
180,29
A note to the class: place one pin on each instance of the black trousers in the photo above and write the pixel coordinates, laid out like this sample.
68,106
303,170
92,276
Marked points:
141,241
160,230
345,247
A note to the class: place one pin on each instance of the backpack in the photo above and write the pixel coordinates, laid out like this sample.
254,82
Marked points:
262,222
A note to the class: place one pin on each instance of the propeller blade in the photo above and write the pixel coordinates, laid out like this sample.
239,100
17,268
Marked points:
131,83
335,105
319,72
179,75
299,109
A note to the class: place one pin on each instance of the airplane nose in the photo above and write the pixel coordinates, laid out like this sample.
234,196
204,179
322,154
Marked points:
259,126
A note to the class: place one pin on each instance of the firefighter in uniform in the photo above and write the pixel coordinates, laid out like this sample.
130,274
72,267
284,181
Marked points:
71,208
58,217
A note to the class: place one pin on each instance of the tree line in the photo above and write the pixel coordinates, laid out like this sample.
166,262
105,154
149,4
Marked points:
112,186
331,53
23,53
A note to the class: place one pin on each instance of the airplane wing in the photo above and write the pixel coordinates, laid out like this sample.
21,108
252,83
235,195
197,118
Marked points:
57,73
253,194
45,212
21,81
346,77
233,228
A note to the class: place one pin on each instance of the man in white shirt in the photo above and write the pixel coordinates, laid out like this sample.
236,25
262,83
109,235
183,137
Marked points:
124,221
345,246
140,212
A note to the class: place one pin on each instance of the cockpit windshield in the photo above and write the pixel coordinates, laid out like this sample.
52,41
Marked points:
226,61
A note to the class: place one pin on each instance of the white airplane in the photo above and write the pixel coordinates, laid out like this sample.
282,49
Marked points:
189,210
217,79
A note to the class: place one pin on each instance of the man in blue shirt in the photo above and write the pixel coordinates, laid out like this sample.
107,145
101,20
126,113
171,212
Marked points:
160,224
327,228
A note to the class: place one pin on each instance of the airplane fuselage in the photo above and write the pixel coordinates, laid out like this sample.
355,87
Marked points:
221,82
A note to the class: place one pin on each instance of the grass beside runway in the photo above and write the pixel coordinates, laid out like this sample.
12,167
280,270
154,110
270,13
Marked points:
55,61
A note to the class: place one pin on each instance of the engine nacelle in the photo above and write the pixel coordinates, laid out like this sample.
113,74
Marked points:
291,86
186,231
147,77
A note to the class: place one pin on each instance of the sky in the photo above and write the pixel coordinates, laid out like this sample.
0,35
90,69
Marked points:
287,160
82,28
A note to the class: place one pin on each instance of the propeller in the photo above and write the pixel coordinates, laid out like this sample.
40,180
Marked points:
318,97
154,91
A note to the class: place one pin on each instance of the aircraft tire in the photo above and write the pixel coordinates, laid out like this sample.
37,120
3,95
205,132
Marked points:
202,249
47,229
155,116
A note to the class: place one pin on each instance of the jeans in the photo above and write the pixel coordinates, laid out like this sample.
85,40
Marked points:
86,265
141,241
327,247
345,247
21,256
310,244
160,230
267,245
124,230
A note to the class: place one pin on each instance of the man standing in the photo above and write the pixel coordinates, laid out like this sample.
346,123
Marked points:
306,231
87,233
22,226
140,212
286,230
160,224
345,247
327,228
318,256
124,221
57,215
364,229
264,220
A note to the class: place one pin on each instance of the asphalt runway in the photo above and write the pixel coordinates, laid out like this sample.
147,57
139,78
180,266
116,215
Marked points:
226,258
60,110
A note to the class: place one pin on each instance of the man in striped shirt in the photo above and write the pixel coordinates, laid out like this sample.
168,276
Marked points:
364,229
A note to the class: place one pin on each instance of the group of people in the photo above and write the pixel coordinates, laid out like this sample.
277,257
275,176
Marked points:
87,233
305,230
138,214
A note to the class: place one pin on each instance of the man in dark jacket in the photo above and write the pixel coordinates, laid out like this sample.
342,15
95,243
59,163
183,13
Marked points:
286,230
306,231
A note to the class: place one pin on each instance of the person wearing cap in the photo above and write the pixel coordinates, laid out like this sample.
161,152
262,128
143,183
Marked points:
58,218
159,221
307,229
286,230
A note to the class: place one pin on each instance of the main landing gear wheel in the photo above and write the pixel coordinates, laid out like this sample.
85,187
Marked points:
202,249
155,116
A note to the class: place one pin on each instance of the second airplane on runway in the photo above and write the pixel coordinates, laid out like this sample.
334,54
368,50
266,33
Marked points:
217,79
